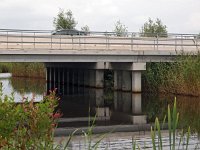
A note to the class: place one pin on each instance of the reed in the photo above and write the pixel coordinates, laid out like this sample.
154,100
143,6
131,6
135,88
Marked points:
179,77
34,70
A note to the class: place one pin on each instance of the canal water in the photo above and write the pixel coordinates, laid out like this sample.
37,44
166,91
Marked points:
108,107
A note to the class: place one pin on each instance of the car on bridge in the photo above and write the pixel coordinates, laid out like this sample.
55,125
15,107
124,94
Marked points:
71,32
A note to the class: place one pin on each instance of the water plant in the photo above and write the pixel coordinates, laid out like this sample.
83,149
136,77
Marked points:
179,77
156,132
36,70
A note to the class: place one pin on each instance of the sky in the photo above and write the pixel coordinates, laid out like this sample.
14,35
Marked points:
180,16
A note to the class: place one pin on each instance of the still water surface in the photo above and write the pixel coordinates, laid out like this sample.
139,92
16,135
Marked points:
111,108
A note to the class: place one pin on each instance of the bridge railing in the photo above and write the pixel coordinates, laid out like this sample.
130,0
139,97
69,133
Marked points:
45,39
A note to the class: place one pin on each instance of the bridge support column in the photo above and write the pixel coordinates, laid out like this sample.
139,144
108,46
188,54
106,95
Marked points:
136,81
136,77
136,103
96,78
99,79
99,97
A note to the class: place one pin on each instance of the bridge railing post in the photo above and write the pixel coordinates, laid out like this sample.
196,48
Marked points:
175,43
60,41
79,41
34,40
196,38
106,40
181,42
51,41
7,39
157,41
22,40
132,41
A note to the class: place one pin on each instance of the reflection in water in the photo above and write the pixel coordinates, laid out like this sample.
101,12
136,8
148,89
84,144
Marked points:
111,107
27,85
22,87
80,102
188,108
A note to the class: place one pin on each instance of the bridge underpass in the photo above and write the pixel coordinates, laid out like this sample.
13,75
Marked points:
81,61
74,80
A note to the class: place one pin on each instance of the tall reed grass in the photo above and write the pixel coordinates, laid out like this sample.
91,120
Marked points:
36,70
180,77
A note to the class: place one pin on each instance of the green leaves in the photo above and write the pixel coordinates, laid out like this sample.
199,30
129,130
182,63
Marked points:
120,29
154,29
27,125
64,20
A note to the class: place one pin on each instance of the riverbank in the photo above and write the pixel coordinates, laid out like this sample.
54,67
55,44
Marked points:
27,70
181,77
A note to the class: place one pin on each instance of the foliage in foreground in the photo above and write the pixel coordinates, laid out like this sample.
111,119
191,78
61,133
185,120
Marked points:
27,125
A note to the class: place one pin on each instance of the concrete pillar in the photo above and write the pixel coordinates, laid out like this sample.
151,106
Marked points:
136,81
136,103
99,78
99,97
126,81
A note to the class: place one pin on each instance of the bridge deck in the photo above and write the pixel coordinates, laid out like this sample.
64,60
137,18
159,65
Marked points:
36,40
97,47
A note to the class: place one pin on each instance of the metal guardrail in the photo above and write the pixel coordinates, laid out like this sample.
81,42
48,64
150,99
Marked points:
44,39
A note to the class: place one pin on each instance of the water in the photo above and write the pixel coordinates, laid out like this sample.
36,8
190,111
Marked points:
23,88
110,108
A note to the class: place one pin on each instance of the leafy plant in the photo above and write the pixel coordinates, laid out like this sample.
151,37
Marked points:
27,125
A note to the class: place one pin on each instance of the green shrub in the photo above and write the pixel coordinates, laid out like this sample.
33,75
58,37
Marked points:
27,125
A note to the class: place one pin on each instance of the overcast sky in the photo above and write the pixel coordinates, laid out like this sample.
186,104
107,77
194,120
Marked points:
180,16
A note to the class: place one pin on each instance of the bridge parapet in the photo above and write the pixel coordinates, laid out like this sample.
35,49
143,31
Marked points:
44,39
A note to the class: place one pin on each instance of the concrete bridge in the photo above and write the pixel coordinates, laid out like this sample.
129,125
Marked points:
81,60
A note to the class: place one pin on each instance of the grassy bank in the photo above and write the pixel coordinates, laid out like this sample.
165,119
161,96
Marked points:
181,77
33,70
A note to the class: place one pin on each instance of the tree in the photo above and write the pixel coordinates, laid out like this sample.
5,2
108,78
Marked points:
151,28
64,20
85,28
120,29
